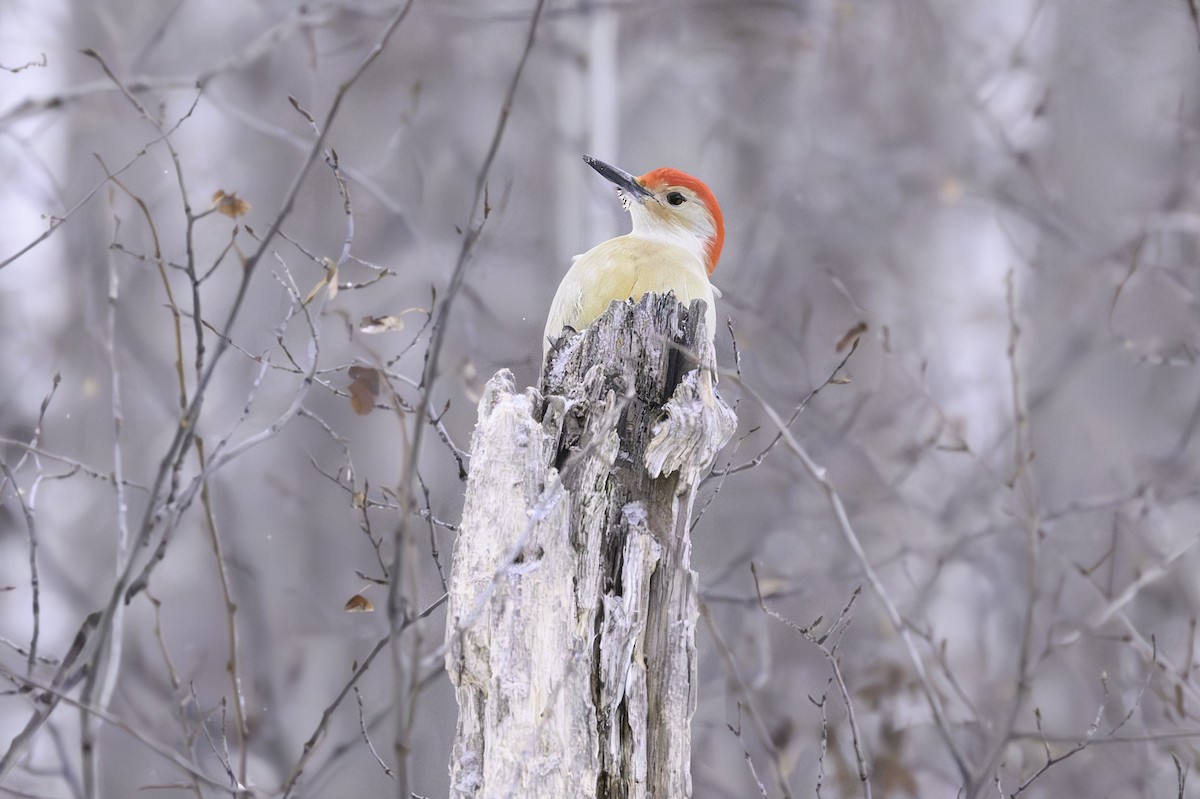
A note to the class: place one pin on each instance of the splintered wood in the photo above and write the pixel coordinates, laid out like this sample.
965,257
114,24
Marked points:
572,611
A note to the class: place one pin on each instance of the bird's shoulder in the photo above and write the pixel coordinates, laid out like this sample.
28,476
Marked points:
634,249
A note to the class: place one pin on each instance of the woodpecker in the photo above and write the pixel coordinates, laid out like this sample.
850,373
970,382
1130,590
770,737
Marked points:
678,232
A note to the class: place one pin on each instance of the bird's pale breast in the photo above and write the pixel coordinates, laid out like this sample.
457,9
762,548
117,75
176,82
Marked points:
622,268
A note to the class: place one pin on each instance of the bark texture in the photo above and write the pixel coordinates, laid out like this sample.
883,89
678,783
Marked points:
572,606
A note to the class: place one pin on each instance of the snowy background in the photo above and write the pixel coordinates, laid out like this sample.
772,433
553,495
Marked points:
1006,195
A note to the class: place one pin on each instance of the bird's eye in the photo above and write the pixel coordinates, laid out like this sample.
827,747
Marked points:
675,198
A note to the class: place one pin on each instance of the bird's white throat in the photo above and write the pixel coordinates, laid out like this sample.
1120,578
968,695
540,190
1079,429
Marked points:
648,227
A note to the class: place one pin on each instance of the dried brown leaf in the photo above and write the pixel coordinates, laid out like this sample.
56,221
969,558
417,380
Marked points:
381,324
850,336
364,388
331,275
230,205
330,280
358,604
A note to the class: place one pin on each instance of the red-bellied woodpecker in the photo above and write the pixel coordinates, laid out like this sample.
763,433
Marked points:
676,240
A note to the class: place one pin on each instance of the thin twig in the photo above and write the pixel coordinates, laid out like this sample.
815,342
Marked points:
746,701
362,728
233,665
820,475
310,746
222,753
440,326
34,583
404,548
830,653
161,493
148,741
1022,486
737,733
76,466
57,221
757,459
28,505
822,703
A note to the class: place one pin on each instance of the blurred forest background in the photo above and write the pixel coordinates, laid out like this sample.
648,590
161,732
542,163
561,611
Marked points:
1006,195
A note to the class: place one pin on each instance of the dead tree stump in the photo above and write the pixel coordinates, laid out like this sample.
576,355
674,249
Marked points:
572,610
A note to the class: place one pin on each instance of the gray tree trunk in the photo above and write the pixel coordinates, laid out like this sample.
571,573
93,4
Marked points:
572,610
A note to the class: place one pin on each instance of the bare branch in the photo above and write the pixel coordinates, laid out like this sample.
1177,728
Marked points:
310,746
41,62
757,459
146,740
830,653
820,475
403,537
746,701
737,733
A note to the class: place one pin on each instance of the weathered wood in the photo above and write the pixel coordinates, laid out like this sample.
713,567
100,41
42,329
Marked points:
572,606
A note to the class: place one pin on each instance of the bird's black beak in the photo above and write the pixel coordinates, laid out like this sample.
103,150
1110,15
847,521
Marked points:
623,180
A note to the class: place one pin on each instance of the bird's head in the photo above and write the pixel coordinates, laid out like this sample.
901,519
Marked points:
673,206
